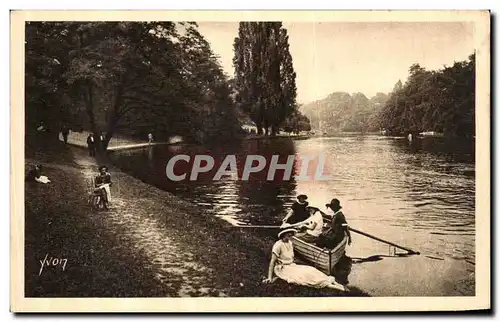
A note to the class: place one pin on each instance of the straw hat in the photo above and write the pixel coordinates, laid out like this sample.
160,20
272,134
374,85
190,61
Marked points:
287,230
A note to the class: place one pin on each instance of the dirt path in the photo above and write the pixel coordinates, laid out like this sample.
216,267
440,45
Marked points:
139,229
79,139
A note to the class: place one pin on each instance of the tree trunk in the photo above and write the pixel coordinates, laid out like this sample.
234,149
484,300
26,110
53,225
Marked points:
266,128
111,127
90,107
274,130
114,117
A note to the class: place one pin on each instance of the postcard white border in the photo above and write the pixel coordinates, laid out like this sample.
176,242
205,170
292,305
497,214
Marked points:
19,303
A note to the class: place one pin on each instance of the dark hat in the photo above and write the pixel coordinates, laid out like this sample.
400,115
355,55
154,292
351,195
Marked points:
335,203
302,197
103,167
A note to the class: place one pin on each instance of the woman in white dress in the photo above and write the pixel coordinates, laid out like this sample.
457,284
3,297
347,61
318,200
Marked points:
282,265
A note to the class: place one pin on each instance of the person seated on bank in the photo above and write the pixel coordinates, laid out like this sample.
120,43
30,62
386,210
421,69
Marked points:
35,174
312,227
298,212
282,265
103,183
337,229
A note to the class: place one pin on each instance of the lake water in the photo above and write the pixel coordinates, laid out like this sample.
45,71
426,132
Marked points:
420,195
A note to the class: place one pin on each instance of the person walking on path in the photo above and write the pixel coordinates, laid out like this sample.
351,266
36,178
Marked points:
65,133
91,143
101,142
150,138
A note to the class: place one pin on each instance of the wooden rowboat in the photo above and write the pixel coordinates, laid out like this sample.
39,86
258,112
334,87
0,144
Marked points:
323,259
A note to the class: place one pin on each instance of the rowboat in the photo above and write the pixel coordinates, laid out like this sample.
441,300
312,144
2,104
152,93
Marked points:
323,259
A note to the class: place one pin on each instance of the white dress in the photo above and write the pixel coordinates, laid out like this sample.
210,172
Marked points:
42,179
292,273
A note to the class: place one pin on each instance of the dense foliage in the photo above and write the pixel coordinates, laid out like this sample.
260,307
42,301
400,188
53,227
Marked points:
132,77
264,75
296,123
341,112
429,101
440,101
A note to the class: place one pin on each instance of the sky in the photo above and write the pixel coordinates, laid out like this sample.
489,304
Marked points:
356,56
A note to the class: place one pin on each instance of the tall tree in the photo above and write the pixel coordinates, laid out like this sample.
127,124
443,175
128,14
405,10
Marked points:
133,77
46,91
264,75
287,80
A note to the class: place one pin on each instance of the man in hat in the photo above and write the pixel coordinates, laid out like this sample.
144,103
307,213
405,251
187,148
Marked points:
338,228
103,183
65,133
100,143
91,143
299,211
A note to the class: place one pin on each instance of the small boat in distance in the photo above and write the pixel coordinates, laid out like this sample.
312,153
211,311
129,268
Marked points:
431,134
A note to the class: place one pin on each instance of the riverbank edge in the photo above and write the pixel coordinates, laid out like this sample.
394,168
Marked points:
238,273
134,144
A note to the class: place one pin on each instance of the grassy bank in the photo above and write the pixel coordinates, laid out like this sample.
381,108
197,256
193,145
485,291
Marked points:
59,224
121,253
238,257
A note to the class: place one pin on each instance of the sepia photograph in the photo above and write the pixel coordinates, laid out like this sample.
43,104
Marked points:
250,161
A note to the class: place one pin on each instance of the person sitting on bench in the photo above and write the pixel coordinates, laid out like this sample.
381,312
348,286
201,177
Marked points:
103,184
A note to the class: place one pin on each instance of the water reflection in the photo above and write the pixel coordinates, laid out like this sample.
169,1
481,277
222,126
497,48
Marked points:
421,193
439,187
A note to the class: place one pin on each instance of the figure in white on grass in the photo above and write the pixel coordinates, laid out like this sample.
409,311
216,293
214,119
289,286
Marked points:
150,138
35,174
282,265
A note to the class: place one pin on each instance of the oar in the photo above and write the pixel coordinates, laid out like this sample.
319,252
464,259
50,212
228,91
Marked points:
410,251
257,226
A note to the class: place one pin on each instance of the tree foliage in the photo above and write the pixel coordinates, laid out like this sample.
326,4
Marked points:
132,77
264,76
341,111
296,122
440,101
